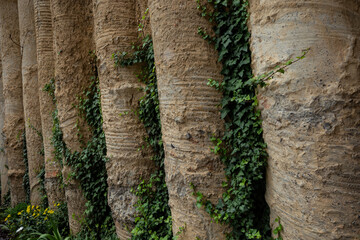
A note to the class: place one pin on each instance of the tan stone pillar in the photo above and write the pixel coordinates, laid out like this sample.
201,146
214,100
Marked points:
31,98
116,30
189,113
311,114
12,88
45,59
3,160
73,39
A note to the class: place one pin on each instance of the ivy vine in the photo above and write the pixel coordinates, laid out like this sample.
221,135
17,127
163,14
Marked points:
88,164
153,220
26,181
242,148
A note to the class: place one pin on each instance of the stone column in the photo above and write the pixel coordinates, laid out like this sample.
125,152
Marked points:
311,114
12,89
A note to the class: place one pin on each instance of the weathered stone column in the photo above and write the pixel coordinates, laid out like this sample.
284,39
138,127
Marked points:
3,160
12,88
45,59
31,98
73,39
311,114
189,113
116,30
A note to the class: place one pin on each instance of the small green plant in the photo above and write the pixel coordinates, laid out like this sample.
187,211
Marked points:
278,229
54,236
178,233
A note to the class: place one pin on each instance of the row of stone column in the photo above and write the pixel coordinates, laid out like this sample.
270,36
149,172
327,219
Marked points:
311,115
21,88
44,39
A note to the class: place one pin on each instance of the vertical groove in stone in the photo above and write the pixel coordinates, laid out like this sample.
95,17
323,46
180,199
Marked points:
31,97
116,30
73,39
3,161
14,115
189,113
311,114
45,59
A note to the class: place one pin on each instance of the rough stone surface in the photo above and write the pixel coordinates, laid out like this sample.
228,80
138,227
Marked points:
73,39
31,98
45,59
311,114
3,160
14,115
116,30
184,63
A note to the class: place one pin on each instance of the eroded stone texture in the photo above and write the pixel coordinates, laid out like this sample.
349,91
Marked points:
14,115
31,98
116,31
45,59
3,160
73,39
189,113
311,114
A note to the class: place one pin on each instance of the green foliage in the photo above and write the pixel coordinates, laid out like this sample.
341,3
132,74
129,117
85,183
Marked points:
278,229
54,236
88,164
90,235
26,181
153,220
7,200
57,135
41,177
24,220
242,148
181,230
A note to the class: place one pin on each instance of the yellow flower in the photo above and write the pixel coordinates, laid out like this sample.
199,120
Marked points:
58,204
28,209
19,213
51,211
46,218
